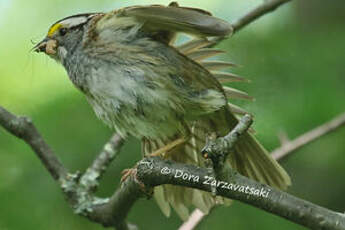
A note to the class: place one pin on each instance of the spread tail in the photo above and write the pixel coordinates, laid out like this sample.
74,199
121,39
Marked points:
248,157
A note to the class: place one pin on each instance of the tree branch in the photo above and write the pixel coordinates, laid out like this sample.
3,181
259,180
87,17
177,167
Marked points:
264,8
94,173
155,171
78,188
291,146
23,128
218,149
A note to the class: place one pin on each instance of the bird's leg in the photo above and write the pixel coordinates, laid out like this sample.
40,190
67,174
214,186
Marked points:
165,149
159,152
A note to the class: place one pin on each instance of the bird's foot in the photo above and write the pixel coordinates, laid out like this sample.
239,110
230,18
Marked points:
132,172
127,173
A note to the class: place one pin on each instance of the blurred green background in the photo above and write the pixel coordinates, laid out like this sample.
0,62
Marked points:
295,58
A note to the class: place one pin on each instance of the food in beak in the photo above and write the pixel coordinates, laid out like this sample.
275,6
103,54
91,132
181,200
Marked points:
47,45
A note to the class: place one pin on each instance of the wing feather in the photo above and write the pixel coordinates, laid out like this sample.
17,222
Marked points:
178,19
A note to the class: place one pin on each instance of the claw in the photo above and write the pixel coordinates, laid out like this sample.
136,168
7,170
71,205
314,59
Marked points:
127,173
132,172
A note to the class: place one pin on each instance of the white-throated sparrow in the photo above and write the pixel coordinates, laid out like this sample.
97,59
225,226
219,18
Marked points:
139,83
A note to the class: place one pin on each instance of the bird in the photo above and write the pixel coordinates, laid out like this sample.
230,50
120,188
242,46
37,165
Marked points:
142,82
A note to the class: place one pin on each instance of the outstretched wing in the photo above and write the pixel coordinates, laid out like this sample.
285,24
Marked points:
163,22
178,19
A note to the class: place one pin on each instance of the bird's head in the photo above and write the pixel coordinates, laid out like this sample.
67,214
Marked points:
64,35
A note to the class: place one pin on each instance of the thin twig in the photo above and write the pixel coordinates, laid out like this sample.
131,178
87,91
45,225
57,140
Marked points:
222,146
193,220
263,9
109,152
291,146
218,149
266,7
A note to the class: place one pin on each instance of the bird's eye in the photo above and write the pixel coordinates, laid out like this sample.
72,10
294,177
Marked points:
63,31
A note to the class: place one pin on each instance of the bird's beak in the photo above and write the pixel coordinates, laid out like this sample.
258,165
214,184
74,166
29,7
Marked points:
47,46
41,46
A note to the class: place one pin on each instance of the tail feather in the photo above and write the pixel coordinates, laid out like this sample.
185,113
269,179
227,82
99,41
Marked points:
161,200
275,174
179,199
248,157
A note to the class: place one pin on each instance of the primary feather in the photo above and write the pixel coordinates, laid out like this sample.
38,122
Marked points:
178,19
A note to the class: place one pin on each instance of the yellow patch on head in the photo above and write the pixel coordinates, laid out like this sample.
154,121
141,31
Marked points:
53,29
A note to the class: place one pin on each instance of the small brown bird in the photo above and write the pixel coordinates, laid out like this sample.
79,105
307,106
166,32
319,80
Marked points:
168,96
